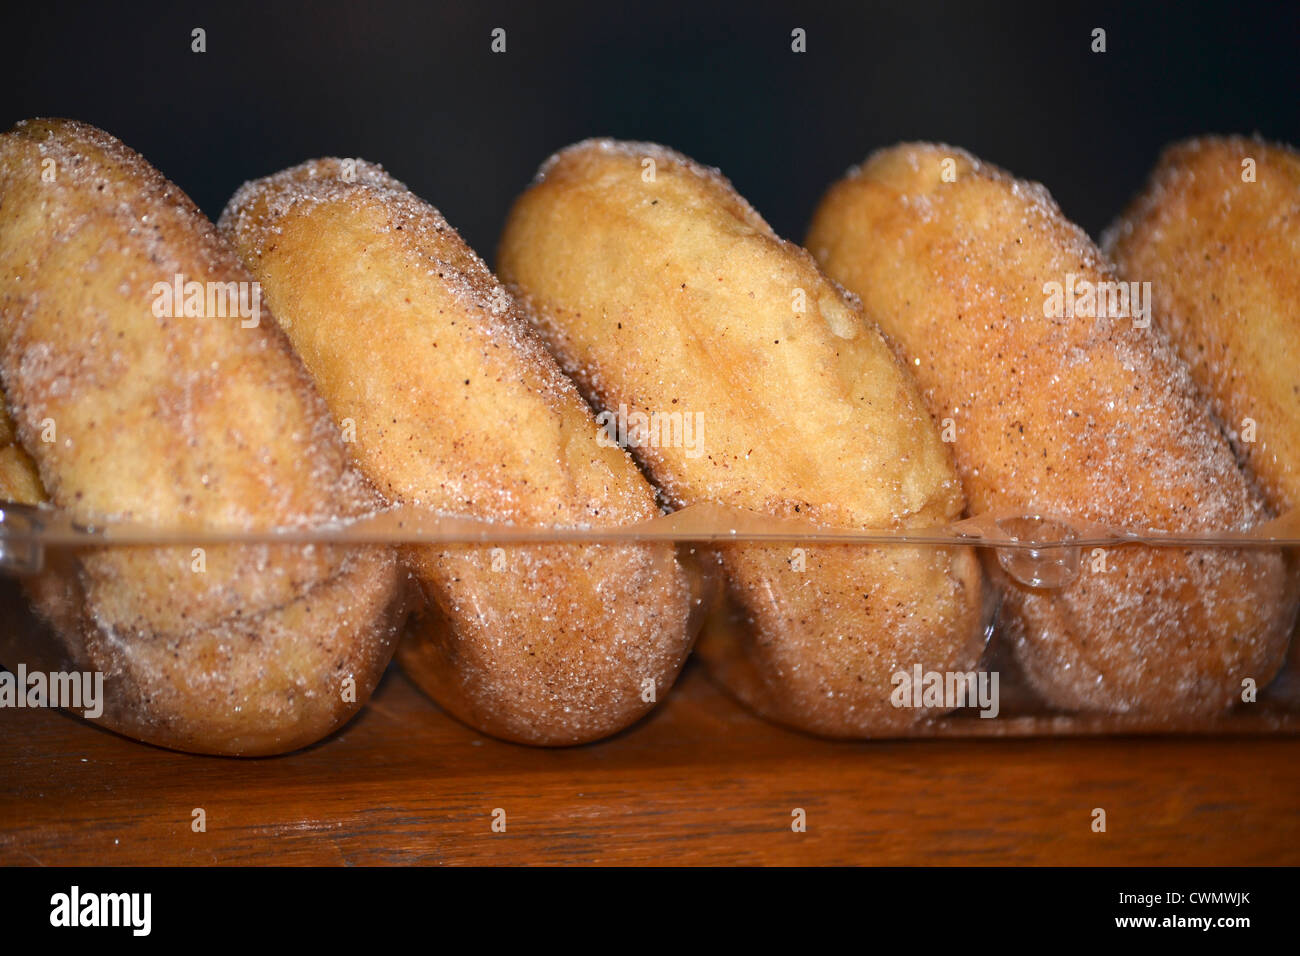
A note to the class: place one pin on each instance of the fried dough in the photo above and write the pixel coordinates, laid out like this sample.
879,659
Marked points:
1222,254
19,480
458,408
1069,417
196,423
662,291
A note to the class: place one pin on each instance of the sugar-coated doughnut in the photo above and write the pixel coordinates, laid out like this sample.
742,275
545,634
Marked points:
458,408
664,292
133,410
1071,409
19,480
1217,234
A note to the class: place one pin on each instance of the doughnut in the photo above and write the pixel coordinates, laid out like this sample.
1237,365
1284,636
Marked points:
19,480
458,409
662,291
1217,234
983,284
130,407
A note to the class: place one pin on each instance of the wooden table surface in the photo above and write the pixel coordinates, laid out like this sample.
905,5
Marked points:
700,781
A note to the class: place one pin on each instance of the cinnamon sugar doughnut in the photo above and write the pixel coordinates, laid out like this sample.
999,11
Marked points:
458,408
19,480
1074,417
180,422
663,291
1220,245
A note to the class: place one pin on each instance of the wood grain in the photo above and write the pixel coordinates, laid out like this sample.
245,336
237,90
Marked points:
700,781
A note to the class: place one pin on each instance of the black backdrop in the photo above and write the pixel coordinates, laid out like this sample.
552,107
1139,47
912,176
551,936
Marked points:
415,87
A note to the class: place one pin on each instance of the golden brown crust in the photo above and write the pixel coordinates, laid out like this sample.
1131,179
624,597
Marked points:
18,478
458,408
184,423
670,295
1078,417
1222,255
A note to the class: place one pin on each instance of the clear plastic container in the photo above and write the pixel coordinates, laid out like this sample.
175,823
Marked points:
43,555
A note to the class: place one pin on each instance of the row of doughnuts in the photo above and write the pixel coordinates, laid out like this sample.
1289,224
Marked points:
392,368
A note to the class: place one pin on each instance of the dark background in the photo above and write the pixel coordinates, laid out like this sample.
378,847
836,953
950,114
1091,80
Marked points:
415,87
